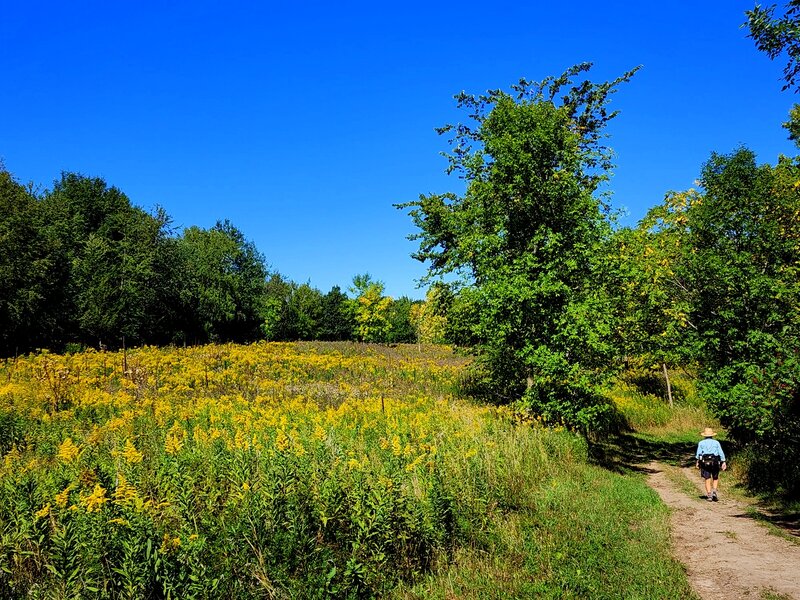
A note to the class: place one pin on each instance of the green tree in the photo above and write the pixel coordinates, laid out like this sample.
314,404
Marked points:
123,278
653,298
226,284
745,236
113,265
276,325
778,35
401,328
525,234
337,321
26,268
372,314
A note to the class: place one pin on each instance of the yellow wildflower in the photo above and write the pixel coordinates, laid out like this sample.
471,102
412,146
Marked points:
63,496
94,502
68,451
415,463
174,440
298,448
11,457
43,512
125,492
169,543
240,441
131,454
281,441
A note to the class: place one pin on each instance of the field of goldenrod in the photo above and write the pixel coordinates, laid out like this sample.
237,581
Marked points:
269,470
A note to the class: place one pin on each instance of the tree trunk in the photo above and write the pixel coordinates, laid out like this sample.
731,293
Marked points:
669,385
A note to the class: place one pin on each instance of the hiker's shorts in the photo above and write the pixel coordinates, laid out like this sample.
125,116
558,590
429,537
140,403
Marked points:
709,474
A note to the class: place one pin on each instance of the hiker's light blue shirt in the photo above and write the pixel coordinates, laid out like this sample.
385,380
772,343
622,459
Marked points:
710,446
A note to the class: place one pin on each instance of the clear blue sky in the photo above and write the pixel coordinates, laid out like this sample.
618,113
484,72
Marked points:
303,123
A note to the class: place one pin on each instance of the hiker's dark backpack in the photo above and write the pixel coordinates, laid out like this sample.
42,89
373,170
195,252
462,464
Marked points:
709,462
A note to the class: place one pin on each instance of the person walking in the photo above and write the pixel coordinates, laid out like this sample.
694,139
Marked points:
710,459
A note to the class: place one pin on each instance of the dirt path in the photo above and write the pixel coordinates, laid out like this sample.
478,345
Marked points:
726,552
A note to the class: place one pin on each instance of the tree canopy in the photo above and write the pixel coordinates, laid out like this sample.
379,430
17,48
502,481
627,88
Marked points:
525,236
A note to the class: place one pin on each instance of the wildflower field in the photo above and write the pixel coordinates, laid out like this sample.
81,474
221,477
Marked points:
268,471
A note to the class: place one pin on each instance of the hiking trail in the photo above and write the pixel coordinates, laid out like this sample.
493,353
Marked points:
726,552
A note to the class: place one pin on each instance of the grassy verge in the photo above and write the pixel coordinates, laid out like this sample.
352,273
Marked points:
586,533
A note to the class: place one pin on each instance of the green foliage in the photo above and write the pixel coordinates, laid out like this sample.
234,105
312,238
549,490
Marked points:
372,314
291,312
745,238
652,295
124,279
401,330
777,36
526,236
575,531
638,395
26,266
225,277
336,321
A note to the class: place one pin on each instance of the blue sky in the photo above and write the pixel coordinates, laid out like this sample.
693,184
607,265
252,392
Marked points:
303,123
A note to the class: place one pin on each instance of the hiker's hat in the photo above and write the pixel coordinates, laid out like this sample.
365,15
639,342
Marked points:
708,432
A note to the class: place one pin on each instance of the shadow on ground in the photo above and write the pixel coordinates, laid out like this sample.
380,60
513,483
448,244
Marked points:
789,522
627,452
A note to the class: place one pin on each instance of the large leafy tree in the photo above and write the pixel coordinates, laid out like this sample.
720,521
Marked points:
401,328
124,275
77,208
26,268
525,236
652,294
745,237
372,314
337,321
112,265
226,279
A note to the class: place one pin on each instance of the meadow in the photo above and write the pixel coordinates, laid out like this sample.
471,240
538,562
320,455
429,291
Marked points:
305,470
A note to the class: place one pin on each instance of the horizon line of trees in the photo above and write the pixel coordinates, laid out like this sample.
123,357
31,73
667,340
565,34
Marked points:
80,266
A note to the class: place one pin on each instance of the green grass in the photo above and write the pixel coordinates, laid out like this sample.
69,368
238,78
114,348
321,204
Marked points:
584,533
645,409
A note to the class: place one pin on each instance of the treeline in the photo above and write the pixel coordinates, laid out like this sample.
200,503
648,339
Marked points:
80,265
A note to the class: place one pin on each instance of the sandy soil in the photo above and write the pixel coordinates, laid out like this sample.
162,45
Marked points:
726,552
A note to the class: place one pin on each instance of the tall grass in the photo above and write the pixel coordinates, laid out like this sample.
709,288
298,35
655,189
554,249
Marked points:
301,471
640,396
